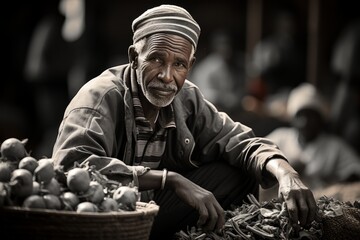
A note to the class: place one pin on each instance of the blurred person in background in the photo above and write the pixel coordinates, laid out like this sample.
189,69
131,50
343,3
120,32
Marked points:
321,158
46,67
144,122
218,75
345,64
275,67
58,63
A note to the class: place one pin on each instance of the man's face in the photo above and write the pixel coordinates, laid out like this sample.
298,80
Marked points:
309,123
163,65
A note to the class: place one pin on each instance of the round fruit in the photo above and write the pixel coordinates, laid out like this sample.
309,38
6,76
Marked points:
95,193
34,201
126,197
70,200
86,207
5,171
12,149
36,188
45,171
78,180
52,201
53,187
28,163
108,205
60,174
21,183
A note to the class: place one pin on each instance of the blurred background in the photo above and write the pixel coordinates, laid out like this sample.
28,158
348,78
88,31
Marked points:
265,47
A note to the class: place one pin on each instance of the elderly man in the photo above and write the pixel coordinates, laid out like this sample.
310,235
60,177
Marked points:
144,122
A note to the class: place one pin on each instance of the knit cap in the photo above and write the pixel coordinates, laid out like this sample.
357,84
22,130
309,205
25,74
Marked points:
166,19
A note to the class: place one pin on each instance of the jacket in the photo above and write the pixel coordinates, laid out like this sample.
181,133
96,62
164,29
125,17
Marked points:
98,128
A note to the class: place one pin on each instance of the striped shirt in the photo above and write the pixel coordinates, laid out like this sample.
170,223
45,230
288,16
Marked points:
150,143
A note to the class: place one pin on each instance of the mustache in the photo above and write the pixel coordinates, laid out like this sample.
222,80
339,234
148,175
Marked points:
162,86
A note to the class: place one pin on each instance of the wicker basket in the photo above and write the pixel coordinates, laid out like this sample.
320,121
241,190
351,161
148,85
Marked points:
20,223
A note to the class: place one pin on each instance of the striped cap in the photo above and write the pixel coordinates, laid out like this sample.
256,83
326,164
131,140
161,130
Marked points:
167,19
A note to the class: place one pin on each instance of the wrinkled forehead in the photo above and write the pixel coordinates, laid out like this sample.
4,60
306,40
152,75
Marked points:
165,40
167,45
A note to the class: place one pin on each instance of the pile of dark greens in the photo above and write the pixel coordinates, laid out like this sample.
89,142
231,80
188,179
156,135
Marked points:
269,220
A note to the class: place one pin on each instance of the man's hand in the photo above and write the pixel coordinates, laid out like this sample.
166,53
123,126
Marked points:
299,199
211,214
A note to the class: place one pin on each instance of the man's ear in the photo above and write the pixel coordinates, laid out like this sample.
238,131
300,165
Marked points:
132,54
193,60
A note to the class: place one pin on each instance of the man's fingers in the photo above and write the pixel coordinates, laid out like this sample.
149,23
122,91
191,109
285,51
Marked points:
301,208
292,210
221,218
212,218
312,208
220,221
303,211
203,215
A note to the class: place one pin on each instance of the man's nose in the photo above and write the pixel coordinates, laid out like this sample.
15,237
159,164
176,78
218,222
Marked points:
166,74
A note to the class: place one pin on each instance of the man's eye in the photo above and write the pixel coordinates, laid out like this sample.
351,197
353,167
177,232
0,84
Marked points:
155,59
180,64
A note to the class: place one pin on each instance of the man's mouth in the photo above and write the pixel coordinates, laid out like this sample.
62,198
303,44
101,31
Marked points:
163,91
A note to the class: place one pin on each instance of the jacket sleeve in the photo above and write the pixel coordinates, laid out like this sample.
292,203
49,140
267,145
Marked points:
217,137
92,134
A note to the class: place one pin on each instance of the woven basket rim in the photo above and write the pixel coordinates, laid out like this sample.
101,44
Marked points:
142,209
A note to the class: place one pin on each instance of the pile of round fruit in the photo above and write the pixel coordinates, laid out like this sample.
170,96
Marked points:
36,183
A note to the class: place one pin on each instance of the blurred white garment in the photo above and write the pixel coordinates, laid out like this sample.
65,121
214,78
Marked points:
216,81
217,75
326,160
